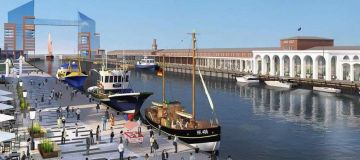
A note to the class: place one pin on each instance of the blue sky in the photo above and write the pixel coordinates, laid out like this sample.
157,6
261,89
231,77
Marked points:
132,24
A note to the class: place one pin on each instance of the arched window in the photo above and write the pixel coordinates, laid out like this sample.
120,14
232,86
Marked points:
346,58
356,58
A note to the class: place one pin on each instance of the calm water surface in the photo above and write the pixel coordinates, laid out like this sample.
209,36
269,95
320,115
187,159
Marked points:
265,123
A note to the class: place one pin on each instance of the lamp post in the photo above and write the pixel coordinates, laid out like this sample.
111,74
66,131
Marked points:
32,117
24,93
21,83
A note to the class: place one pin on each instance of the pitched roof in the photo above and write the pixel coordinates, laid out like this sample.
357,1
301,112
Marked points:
335,48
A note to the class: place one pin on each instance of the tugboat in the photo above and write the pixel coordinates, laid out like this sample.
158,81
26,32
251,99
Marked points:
146,63
72,74
172,118
113,89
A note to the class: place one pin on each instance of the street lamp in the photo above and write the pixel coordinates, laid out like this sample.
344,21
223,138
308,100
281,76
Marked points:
24,93
21,83
18,76
32,118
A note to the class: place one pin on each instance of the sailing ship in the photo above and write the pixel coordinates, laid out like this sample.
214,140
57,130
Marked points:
172,118
113,88
72,74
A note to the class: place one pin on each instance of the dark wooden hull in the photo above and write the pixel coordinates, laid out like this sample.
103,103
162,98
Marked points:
194,137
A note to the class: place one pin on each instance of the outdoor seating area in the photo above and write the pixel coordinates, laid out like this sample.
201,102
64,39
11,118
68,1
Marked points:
9,122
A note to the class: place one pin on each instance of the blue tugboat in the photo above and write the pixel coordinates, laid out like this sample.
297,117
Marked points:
146,63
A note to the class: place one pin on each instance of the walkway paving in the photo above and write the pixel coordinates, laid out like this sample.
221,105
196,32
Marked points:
75,148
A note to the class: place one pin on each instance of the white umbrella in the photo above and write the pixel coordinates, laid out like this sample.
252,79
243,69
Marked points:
5,136
4,117
5,106
4,99
3,93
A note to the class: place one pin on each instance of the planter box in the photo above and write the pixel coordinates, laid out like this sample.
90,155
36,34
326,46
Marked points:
54,153
37,135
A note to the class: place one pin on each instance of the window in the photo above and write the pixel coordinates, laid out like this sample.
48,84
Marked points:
115,78
106,79
111,79
127,78
120,78
102,78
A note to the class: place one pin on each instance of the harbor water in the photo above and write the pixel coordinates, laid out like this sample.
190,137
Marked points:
260,122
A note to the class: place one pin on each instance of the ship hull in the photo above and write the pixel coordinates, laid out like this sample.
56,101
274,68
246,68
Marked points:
205,139
127,102
76,81
152,66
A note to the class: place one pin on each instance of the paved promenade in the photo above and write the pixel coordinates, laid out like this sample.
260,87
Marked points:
75,147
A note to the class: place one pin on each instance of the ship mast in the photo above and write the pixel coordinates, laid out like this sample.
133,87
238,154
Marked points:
163,78
193,73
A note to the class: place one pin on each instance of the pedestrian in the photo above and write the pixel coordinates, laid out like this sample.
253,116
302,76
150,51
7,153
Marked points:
63,120
67,86
97,107
175,143
121,150
163,155
97,133
121,135
67,111
87,145
192,157
152,140
42,98
112,135
90,98
49,103
76,130
40,116
59,122
91,137
100,135
229,158
146,156
139,125
107,114
23,157
159,129
36,102
63,136
151,133
78,113
28,147
103,119
112,120
72,111
166,155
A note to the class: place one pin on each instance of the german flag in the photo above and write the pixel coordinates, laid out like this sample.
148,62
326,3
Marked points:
159,72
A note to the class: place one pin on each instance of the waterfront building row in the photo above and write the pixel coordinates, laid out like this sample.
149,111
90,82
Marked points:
297,57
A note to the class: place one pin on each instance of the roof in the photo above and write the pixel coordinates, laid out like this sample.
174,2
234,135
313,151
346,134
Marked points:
335,48
306,38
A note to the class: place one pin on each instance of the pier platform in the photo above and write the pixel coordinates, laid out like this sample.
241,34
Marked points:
74,147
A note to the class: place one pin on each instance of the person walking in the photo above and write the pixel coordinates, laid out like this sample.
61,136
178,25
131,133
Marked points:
42,98
36,102
166,155
67,111
97,107
78,113
89,98
97,133
151,133
152,140
112,120
103,119
23,157
91,137
121,150
63,120
112,134
59,122
107,114
192,157
139,125
163,155
175,143
76,130
28,147
87,145
73,111
146,156
63,136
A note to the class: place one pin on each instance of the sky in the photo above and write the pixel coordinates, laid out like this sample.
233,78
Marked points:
132,24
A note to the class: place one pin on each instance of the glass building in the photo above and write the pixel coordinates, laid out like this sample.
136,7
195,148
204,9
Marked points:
19,32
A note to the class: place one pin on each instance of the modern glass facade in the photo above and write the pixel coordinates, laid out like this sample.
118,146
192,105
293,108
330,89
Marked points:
89,41
19,32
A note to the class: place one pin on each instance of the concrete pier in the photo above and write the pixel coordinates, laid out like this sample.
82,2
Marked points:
75,147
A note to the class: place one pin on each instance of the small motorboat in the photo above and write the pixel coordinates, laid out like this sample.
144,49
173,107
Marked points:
327,89
248,79
279,84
